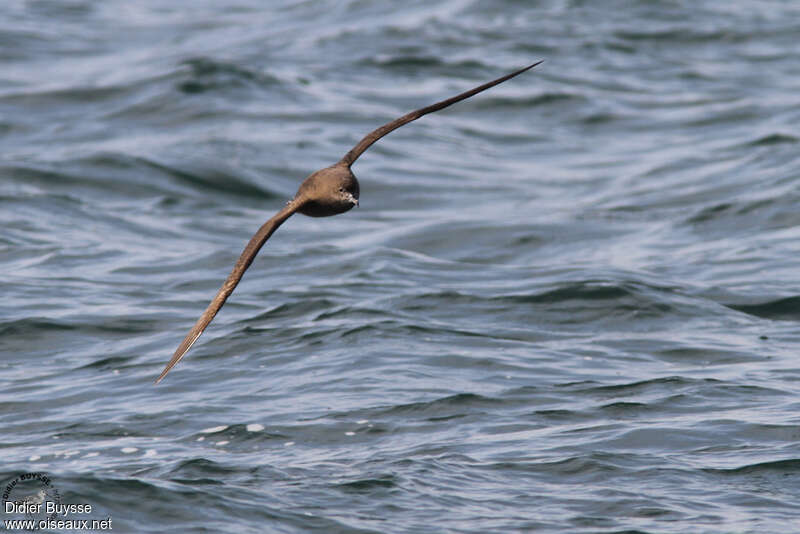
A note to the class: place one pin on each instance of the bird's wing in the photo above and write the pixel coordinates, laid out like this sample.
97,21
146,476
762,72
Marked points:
376,134
244,261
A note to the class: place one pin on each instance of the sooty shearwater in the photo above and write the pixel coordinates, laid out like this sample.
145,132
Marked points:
329,191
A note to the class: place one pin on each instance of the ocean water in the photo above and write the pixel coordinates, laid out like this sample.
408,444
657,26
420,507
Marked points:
569,304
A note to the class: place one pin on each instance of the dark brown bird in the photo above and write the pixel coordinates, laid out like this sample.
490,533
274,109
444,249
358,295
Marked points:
329,191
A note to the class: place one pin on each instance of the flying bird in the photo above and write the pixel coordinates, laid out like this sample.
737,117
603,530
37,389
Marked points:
327,192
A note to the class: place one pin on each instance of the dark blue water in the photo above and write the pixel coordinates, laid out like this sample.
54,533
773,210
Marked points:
569,304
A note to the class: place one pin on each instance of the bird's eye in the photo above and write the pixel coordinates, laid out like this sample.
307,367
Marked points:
341,189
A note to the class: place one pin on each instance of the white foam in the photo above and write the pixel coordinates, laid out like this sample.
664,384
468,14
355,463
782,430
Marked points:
214,429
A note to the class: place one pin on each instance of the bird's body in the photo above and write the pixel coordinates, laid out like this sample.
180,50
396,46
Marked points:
329,191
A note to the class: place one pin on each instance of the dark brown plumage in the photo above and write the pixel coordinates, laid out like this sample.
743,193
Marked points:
329,191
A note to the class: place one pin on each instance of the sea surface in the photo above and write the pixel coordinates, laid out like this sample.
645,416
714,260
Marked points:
568,304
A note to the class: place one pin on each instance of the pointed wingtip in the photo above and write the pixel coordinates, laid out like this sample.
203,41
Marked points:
162,375
518,72
178,356
179,353
164,372
534,64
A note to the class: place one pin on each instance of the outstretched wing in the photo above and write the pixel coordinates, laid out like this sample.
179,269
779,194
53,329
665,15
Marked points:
376,134
244,261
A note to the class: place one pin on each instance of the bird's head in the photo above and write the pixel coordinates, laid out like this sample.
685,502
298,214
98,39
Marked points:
329,191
